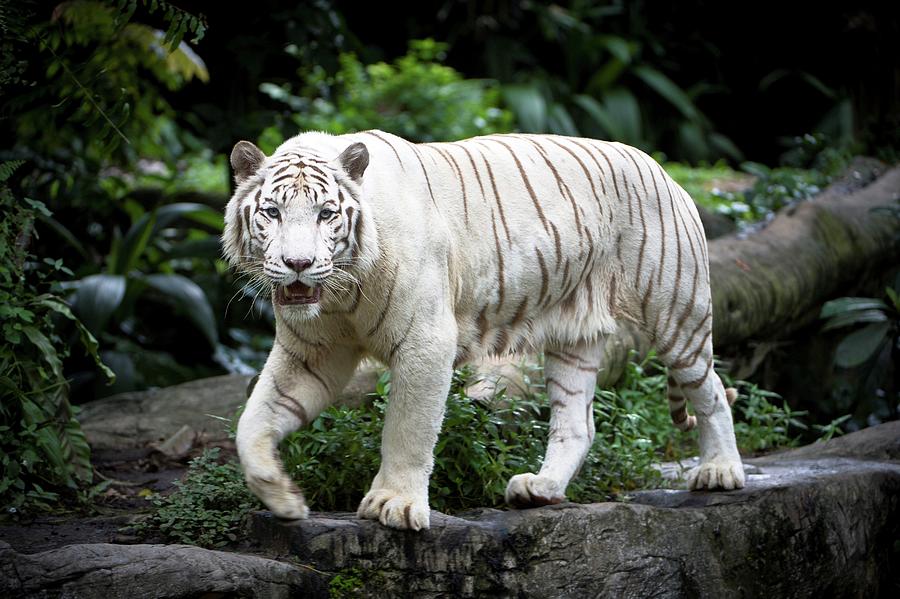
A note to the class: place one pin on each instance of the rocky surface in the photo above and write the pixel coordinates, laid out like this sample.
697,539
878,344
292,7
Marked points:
821,527
107,571
818,521
193,409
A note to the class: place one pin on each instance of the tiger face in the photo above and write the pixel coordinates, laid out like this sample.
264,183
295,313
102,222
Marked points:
292,222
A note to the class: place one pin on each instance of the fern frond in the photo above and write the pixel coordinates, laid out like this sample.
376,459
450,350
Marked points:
8,167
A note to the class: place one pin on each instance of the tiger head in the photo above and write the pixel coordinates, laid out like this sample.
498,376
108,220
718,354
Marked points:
294,221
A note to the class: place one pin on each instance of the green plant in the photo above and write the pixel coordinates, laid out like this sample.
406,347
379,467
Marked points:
42,448
482,445
832,429
415,97
612,86
756,192
142,273
207,507
876,323
761,425
351,582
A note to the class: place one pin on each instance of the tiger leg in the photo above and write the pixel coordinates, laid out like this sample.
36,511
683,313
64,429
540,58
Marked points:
421,372
570,375
720,463
287,396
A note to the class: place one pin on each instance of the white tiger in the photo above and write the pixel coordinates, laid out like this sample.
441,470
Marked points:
426,256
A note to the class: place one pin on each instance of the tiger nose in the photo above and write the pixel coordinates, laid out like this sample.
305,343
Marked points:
297,264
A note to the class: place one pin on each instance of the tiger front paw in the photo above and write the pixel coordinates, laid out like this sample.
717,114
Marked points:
280,495
395,510
716,474
532,490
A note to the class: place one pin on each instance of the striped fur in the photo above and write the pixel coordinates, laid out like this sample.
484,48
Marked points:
439,254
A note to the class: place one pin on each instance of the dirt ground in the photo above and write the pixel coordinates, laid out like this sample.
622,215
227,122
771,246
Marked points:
136,474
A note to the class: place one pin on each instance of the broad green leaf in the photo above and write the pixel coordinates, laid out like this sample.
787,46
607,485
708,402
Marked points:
623,109
617,46
845,319
756,169
666,88
51,447
189,298
47,351
529,106
147,226
87,339
600,115
895,298
859,346
560,121
850,304
96,298
209,248
692,141
133,244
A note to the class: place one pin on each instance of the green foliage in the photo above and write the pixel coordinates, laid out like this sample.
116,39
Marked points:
875,323
415,97
351,582
482,446
761,425
42,448
755,194
880,326
142,273
207,508
92,62
611,87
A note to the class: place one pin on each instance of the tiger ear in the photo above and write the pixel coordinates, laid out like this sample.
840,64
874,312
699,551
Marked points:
246,159
354,160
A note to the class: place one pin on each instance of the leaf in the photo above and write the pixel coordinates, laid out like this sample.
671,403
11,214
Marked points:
560,121
617,46
692,141
188,297
599,114
623,109
666,88
849,318
9,167
147,226
133,244
87,339
208,247
46,349
850,304
96,298
894,297
529,106
861,345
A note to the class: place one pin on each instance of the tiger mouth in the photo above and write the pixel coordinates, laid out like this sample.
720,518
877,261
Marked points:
296,294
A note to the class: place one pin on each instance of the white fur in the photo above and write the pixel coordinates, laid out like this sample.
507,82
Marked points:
450,271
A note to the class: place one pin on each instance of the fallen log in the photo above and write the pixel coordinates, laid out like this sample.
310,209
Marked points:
771,283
